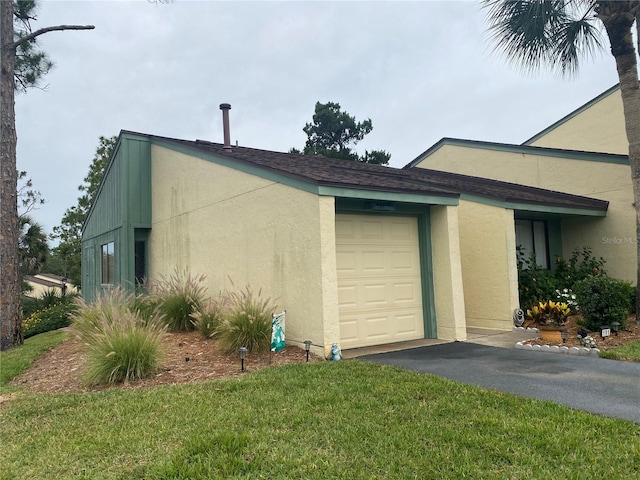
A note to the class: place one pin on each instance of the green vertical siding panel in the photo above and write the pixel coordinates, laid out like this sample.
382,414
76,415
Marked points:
123,203
426,269
139,183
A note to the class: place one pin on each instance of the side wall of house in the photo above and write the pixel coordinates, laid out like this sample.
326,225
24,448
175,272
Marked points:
611,237
598,128
122,205
233,226
488,250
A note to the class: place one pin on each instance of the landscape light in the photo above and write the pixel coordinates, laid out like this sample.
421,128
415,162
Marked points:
307,347
243,355
615,326
563,334
605,331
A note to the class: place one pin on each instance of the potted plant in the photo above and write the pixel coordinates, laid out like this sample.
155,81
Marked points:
550,317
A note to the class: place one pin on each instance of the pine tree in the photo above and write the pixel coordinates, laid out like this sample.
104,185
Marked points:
22,65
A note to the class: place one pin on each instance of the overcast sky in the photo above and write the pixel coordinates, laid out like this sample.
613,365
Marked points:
420,70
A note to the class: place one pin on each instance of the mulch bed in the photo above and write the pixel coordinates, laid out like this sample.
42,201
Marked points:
630,333
188,358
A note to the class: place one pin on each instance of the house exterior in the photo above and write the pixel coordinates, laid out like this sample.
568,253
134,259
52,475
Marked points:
352,251
357,254
583,154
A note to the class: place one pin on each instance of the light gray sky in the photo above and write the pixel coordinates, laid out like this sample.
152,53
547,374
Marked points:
420,70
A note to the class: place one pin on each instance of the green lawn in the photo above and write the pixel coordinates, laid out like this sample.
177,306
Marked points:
342,420
628,352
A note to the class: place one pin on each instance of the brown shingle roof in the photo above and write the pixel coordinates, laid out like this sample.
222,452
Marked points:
505,191
319,170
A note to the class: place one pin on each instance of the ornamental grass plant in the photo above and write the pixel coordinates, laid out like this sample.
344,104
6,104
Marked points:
246,321
207,321
119,344
179,297
128,349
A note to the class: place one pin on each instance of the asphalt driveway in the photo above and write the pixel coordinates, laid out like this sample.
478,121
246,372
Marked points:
592,384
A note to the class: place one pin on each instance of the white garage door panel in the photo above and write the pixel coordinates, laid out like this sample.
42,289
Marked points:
379,289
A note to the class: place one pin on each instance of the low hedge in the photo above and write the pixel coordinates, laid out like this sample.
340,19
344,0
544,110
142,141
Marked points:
47,319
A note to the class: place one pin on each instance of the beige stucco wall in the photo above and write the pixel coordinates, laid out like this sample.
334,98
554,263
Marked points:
599,128
488,252
227,224
612,237
447,273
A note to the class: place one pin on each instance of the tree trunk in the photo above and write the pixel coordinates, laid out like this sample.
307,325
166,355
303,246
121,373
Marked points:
618,18
10,312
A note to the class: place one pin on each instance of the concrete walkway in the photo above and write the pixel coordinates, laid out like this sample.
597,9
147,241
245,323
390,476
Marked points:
482,336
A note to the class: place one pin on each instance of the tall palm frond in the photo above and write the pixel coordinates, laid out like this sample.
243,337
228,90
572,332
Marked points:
32,245
533,33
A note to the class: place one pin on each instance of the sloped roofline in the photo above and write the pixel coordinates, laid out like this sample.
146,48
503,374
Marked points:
522,149
576,112
414,187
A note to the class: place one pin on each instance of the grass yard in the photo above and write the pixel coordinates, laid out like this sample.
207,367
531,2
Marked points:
628,352
349,419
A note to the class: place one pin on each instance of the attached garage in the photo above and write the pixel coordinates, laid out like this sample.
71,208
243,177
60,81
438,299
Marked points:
379,279
352,251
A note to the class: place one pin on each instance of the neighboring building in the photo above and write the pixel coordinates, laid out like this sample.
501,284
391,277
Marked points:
44,282
582,154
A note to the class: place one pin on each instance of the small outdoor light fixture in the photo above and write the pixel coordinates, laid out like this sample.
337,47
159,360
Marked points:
605,331
307,347
615,326
243,355
563,334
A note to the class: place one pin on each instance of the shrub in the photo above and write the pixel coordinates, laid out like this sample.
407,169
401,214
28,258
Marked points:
535,283
538,284
48,319
581,264
49,298
208,321
120,345
93,319
127,349
603,300
178,298
247,321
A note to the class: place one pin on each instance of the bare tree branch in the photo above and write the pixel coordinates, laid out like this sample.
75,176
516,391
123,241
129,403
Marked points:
41,31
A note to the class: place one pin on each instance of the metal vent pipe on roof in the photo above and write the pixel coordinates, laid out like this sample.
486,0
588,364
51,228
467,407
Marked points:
225,107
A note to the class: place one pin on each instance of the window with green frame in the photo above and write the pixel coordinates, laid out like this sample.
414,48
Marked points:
107,263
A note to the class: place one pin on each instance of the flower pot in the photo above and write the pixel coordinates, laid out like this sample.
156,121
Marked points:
551,334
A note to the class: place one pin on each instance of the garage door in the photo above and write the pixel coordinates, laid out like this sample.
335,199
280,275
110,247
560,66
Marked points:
379,284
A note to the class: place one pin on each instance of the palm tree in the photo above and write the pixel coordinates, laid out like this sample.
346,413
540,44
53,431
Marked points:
532,33
33,246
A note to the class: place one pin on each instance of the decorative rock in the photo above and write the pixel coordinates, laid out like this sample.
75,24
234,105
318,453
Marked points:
545,348
564,349
555,349
574,351
536,347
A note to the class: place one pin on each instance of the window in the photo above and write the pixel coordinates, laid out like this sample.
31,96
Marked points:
107,264
531,237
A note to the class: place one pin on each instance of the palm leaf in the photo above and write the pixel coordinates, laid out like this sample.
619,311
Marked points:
533,33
